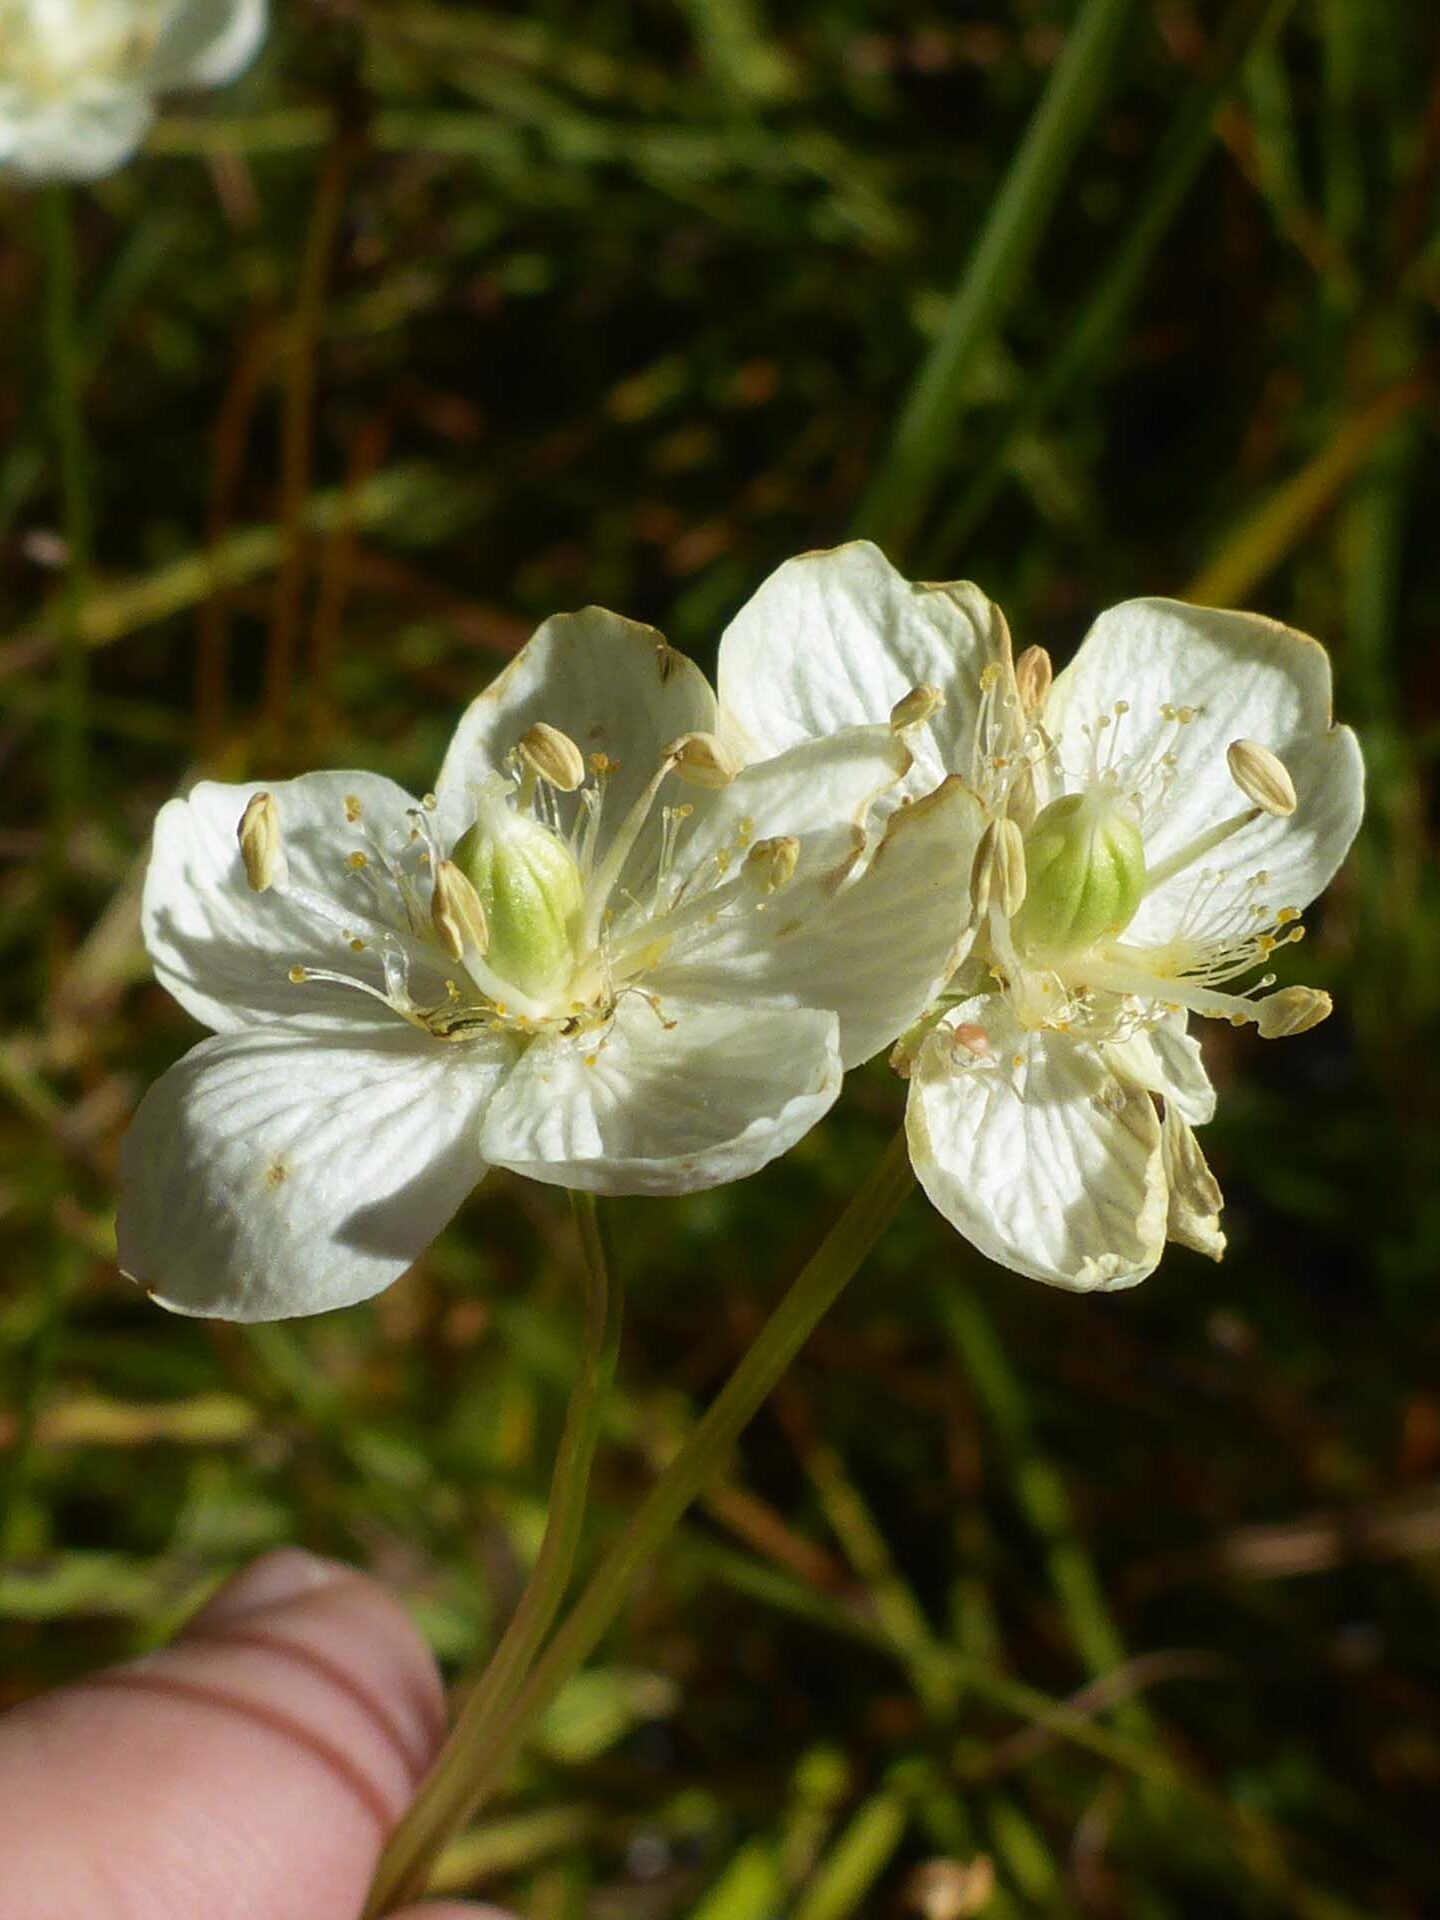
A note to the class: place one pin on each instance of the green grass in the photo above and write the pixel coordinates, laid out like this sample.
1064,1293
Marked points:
436,325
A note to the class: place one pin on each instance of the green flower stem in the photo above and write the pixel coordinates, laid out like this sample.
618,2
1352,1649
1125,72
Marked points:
432,1820
923,441
474,1761
64,350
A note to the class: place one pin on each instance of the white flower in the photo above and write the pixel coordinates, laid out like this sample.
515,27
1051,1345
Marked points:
1158,818
78,78
601,954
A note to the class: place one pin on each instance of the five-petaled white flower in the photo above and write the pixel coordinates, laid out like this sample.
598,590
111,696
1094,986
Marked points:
602,953
1157,818
79,78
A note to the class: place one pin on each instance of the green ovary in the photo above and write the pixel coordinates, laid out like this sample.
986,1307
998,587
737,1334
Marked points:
1085,868
532,893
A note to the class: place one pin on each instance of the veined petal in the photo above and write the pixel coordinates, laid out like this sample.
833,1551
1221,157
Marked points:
836,639
1193,1218
277,1173
677,1096
875,947
226,952
204,43
1166,1059
1036,1152
613,686
1238,676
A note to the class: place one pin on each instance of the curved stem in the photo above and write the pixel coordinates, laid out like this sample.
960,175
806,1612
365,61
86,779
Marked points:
468,1769
420,1835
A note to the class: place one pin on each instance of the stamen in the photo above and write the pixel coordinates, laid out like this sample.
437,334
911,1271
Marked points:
1262,777
1197,848
261,847
553,756
773,862
916,707
1034,672
997,872
601,883
703,760
1292,1010
458,913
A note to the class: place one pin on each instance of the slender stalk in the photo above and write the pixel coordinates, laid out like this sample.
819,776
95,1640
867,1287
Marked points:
418,1840
63,342
468,1770
924,435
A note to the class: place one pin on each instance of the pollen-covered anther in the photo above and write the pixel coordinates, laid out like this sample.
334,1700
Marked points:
261,847
1292,1010
916,707
457,913
997,873
1033,674
703,760
772,862
553,755
1262,777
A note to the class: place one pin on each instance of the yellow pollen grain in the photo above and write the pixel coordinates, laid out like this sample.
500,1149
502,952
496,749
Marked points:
429,802
722,859
357,860
1286,915
1237,1020
591,1058
352,808
357,945
1017,1059
298,975
989,676
276,1174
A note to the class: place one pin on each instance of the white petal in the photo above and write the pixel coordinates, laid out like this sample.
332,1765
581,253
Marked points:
76,138
614,686
1166,1059
277,1173
204,43
1036,1152
875,948
1245,678
836,639
675,1098
1195,1198
226,952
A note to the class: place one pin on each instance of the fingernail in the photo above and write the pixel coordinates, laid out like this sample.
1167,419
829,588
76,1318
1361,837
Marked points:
273,1580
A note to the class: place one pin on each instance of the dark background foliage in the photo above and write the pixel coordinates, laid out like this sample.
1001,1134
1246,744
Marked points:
449,317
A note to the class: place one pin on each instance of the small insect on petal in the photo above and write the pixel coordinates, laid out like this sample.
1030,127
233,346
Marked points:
703,760
916,707
261,846
457,913
1292,1010
1033,674
1261,776
554,756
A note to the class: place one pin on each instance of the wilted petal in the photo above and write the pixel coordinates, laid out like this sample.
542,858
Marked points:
274,1173
1195,1198
1034,1150
676,1096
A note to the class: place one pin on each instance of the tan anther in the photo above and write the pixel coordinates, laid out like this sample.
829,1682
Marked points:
261,846
968,1037
997,873
457,913
1292,1010
917,706
554,756
1261,776
1033,674
773,862
703,760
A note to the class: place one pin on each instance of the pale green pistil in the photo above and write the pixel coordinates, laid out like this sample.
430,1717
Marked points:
532,893
1085,867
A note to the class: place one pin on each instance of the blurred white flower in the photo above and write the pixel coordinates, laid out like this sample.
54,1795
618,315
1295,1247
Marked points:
1158,817
602,953
79,78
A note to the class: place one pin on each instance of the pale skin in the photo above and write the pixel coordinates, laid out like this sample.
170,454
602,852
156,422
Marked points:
249,1771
